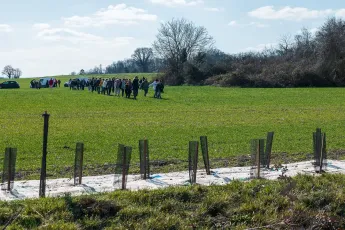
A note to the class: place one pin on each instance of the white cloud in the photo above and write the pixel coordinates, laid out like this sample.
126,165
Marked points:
254,24
289,13
72,36
41,26
58,59
233,23
213,9
173,3
61,50
114,14
5,28
340,13
260,47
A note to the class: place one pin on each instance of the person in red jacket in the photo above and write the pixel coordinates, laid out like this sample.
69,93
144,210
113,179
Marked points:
51,83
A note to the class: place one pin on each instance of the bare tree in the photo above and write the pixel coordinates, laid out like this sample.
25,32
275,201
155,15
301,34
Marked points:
330,41
178,40
8,71
17,73
143,57
285,44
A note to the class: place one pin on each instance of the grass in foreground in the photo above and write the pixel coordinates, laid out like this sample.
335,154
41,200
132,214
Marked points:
304,202
230,117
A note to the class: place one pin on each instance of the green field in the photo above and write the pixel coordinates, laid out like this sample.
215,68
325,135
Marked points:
230,117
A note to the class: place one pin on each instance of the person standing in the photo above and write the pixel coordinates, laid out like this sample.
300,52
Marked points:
110,85
113,85
135,87
104,86
123,86
154,84
59,82
99,86
159,89
82,84
78,83
51,83
117,86
128,88
89,84
145,87
94,84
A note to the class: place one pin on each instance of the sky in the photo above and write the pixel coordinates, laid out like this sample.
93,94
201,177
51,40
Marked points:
48,37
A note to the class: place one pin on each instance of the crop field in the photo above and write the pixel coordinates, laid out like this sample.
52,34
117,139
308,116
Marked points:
230,117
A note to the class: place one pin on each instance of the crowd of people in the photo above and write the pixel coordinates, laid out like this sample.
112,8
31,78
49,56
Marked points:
48,83
119,87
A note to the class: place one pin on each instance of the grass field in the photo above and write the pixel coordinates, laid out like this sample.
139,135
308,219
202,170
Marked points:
230,117
305,202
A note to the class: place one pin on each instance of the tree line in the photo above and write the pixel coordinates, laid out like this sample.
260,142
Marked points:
185,53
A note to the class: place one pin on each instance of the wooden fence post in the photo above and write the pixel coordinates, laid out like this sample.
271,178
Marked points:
43,177
268,151
78,163
144,159
205,156
9,169
193,160
122,166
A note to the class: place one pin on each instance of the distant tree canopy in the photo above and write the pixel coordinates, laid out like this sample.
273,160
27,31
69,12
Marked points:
184,52
301,61
143,58
11,72
179,41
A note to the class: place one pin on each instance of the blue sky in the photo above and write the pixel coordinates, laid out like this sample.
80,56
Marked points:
46,37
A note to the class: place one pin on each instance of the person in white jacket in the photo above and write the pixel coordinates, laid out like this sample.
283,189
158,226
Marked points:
154,84
104,86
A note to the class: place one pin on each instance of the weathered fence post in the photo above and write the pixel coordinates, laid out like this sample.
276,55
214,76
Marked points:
193,160
126,162
257,153
9,169
122,166
324,152
268,150
78,163
319,147
205,156
144,159
42,191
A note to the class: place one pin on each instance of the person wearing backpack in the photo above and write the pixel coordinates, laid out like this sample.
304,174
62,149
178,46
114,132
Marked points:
145,87
135,87
128,89
110,85
154,85
159,89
